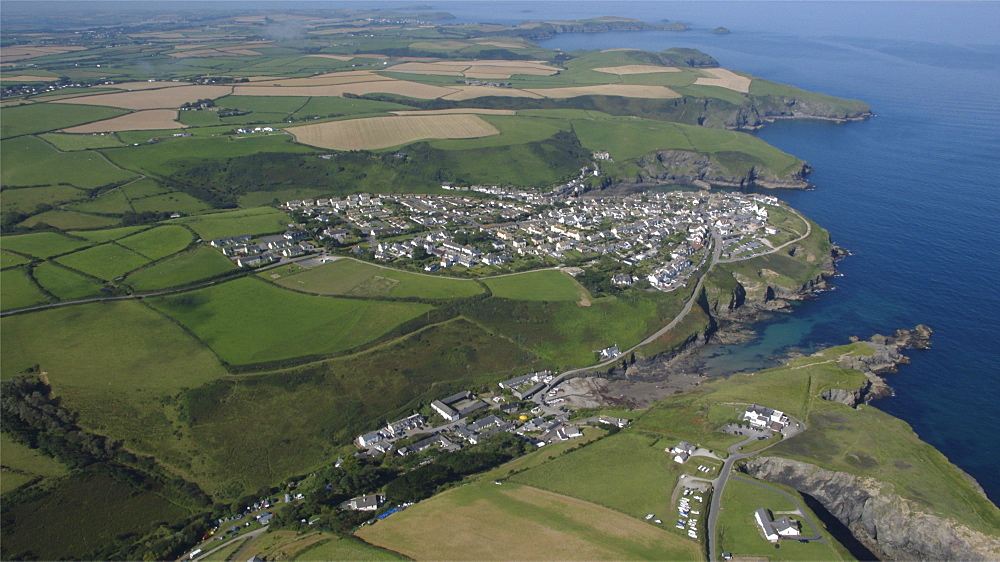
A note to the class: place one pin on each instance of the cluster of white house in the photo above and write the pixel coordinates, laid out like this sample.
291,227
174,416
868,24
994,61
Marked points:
249,131
760,417
682,451
243,253
659,231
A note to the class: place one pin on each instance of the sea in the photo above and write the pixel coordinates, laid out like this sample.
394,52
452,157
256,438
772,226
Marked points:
913,193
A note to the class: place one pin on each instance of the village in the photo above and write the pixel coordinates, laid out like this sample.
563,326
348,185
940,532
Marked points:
659,238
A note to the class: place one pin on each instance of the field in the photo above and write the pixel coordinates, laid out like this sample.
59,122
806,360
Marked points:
278,324
739,533
167,98
18,289
8,259
67,220
106,261
599,475
725,79
22,464
356,278
181,269
472,92
259,221
150,119
381,132
39,117
26,199
636,69
41,244
108,234
30,161
112,202
537,286
67,142
486,522
626,90
64,283
16,53
174,202
487,69
159,242
345,549
381,86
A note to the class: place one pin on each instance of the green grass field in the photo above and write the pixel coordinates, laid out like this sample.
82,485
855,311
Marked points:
26,199
173,202
159,242
64,283
68,220
38,118
29,161
68,142
482,521
111,203
181,269
682,420
739,533
513,130
144,187
106,261
8,259
257,221
18,289
42,244
108,234
278,324
627,472
345,549
357,278
537,286
22,464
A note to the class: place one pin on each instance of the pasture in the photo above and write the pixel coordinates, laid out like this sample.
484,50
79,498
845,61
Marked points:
108,234
68,143
357,278
537,286
146,120
481,521
27,199
112,202
29,161
159,242
184,268
278,324
19,290
625,90
41,117
8,259
106,261
64,283
173,202
635,69
144,187
381,132
41,244
22,464
381,86
597,475
67,220
166,98
472,92
346,548
257,221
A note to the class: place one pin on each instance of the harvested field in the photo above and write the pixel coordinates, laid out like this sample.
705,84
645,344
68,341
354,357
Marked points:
234,51
470,92
456,111
382,132
477,69
501,44
147,85
16,53
626,90
636,69
154,99
439,45
352,57
482,521
398,87
331,79
148,120
26,78
725,79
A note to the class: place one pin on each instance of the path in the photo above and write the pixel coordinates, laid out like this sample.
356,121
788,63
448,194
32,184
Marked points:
251,535
794,428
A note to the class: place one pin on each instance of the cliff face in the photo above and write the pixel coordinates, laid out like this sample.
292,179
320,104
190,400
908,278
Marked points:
890,526
886,357
683,166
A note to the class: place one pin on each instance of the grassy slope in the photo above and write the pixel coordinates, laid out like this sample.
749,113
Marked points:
29,161
181,269
483,521
537,286
352,277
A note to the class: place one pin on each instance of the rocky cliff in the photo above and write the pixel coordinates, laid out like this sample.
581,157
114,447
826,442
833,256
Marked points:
686,167
890,526
886,357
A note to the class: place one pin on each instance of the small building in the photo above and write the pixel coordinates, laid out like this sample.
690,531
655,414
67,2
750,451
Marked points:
617,422
760,417
364,503
444,410
775,530
683,451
